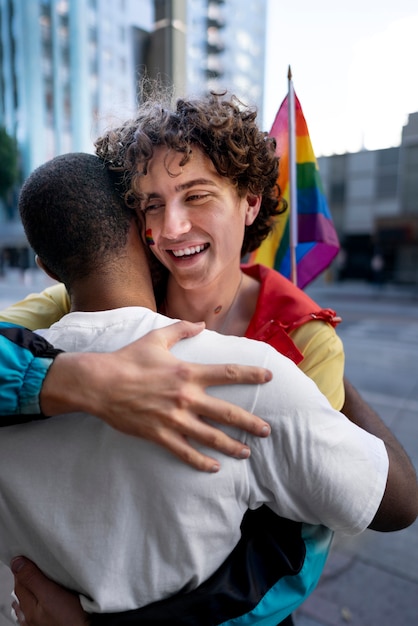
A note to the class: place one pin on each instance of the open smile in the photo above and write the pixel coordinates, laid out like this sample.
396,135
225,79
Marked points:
189,251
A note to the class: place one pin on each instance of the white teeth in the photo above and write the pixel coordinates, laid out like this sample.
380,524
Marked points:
188,251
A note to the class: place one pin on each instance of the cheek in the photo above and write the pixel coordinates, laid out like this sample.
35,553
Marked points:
153,224
155,253
151,239
148,237
152,229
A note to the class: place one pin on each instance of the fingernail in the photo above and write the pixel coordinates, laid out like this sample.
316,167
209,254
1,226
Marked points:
265,431
17,564
215,468
245,453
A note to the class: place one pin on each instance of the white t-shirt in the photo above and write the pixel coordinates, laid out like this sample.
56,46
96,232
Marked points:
125,523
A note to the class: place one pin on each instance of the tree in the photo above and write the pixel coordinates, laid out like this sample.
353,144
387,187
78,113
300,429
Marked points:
8,163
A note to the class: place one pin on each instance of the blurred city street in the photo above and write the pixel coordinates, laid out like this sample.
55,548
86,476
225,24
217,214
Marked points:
371,579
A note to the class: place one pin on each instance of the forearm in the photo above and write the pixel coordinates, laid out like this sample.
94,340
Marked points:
399,507
76,382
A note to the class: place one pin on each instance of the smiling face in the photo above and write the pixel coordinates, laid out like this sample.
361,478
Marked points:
194,218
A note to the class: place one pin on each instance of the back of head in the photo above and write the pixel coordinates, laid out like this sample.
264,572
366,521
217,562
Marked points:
73,215
227,132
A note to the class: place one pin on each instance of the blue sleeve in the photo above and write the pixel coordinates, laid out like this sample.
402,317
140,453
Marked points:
25,358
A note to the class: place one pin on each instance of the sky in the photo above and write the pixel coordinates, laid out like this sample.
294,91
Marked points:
354,69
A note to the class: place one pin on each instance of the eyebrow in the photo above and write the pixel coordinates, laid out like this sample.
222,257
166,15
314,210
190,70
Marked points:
192,183
184,186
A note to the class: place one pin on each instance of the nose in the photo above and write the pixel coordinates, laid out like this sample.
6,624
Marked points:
176,221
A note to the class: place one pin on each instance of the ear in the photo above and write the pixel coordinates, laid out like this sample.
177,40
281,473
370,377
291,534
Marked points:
253,209
45,268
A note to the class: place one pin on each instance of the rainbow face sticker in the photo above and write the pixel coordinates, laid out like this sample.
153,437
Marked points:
148,237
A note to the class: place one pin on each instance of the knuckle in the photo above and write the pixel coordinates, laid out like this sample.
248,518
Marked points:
229,416
231,372
174,420
215,439
177,418
184,372
188,455
185,397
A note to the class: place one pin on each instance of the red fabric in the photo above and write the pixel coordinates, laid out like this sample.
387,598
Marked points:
281,307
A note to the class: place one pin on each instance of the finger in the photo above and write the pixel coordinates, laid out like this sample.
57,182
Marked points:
17,614
224,412
232,374
27,578
171,334
204,434
218,440
26,601
178,445
186,420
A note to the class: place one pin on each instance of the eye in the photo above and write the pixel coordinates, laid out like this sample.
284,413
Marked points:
151,207
198,197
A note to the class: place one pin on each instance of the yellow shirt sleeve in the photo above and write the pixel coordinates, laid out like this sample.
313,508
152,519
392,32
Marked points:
39,310
323,360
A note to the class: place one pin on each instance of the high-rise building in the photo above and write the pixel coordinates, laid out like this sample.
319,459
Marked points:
226,47
68,66
65,66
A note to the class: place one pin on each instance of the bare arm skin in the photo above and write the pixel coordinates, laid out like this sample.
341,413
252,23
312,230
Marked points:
41,601
144,390
399,506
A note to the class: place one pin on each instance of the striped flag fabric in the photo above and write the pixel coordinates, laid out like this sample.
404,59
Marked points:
317,240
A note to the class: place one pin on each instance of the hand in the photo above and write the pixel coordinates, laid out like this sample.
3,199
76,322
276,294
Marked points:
145,391
42,602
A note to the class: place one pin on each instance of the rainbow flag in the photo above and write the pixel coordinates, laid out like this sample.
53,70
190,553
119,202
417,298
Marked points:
317,241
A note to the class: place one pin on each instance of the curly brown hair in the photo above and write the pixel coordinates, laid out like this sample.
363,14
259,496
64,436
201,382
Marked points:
223,128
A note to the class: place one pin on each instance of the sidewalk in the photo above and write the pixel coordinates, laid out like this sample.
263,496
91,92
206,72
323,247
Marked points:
372,579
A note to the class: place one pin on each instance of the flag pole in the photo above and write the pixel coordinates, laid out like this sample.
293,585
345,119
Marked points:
293,200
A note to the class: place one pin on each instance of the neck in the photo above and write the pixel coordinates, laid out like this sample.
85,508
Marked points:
124,280
226,308
104,292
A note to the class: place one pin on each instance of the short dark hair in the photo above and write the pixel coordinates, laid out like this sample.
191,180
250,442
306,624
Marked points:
74,217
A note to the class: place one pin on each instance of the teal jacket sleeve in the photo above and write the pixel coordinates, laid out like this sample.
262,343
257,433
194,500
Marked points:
25,358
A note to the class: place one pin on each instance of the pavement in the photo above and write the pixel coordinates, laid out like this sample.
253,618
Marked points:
370,579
